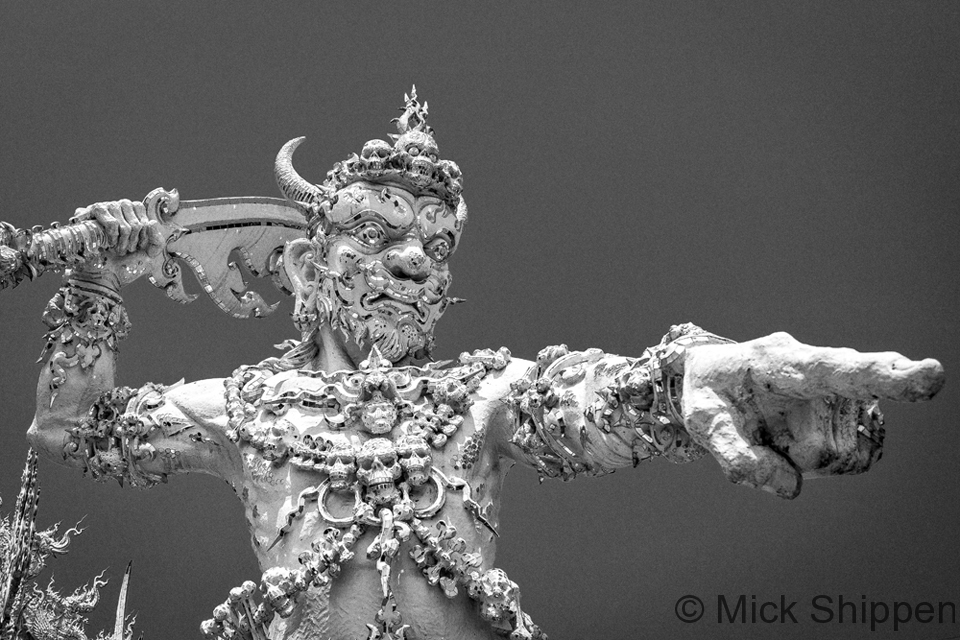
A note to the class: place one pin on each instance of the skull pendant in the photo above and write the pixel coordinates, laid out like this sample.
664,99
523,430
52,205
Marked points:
415,459
378,468
340,466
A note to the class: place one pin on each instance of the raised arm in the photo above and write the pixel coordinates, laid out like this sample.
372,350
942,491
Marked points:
771,411
82,419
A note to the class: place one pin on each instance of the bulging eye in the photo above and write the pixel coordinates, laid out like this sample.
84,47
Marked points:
369,234
437,249
413,150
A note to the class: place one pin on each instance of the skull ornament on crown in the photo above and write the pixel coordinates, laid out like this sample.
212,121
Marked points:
382,225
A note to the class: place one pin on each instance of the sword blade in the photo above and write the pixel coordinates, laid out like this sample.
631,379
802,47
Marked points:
201,233
255,227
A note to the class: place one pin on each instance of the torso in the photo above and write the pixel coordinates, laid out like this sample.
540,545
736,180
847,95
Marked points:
341,453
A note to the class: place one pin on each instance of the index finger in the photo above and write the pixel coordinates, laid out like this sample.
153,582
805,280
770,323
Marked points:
803,371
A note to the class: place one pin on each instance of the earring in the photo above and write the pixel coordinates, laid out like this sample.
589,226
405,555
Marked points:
305,316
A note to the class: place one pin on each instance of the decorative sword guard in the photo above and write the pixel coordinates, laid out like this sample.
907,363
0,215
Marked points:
201,233
165,273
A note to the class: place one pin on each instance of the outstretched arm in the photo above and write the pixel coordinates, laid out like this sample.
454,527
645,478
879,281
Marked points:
586,413
771,411
82,419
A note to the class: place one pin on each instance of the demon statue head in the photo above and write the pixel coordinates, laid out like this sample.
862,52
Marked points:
381,229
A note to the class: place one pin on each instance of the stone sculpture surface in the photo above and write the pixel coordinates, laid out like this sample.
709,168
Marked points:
370,475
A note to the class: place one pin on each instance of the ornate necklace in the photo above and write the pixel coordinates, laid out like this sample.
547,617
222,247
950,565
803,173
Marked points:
387,477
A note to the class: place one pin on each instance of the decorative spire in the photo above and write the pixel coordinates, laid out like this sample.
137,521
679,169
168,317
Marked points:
22,531
23,553
414,116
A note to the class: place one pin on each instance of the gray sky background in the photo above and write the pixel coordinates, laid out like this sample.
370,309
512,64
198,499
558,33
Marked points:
750,167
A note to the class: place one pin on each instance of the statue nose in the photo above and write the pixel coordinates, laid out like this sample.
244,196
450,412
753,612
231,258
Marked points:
408,262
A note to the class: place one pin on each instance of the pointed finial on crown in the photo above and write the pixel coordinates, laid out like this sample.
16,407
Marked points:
414,116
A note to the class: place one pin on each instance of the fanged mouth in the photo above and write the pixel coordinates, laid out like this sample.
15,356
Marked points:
387,291
373,301
385,285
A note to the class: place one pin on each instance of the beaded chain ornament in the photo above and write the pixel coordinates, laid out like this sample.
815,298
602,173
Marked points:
422,408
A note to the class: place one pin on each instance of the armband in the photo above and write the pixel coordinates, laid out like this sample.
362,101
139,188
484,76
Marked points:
638,412
113,439
84,318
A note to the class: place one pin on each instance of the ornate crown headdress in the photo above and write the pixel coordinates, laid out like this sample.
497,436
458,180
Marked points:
412,162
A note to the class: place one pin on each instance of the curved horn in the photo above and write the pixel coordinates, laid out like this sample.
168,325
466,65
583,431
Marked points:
295,188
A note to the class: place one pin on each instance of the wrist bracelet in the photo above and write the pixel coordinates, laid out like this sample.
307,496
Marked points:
661,429
105,284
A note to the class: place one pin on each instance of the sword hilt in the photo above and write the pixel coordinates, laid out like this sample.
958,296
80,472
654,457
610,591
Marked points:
27,253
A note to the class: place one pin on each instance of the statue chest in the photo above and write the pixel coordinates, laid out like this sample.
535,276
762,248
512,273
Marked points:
286,448
356,442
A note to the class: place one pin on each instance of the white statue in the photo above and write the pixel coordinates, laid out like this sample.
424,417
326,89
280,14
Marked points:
371,481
